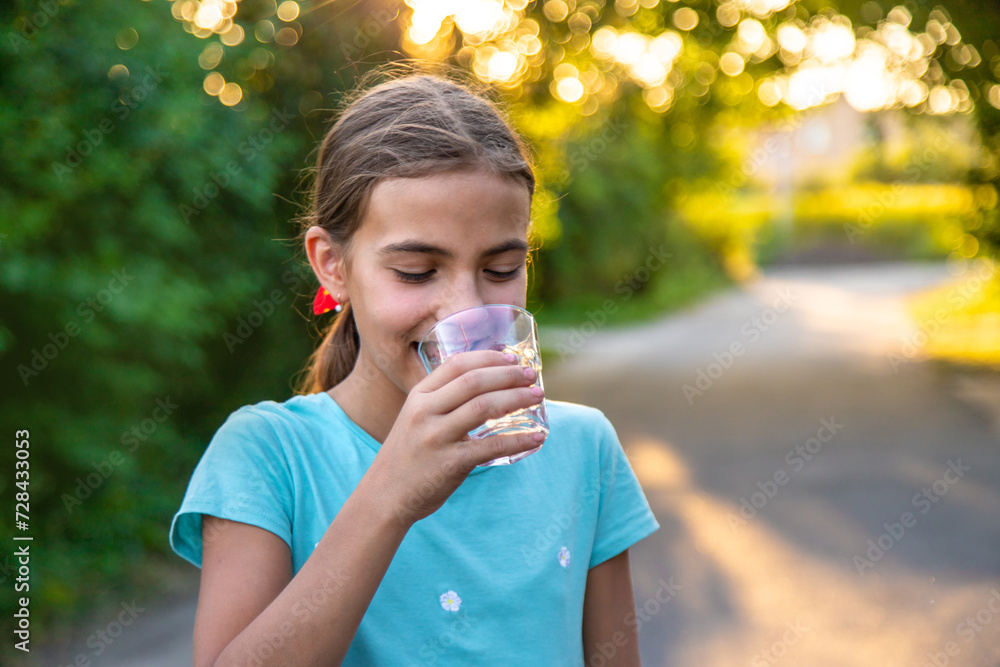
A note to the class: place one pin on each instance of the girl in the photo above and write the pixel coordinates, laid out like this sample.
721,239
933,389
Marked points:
350,524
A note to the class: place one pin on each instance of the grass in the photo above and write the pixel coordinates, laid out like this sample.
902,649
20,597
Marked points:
961,321
905,220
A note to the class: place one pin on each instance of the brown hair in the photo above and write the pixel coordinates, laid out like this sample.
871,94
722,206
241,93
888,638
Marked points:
413,125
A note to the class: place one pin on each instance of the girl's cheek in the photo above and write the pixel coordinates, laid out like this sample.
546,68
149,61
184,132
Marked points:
513,292
409,303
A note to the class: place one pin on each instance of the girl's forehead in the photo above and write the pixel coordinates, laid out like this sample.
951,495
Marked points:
456,209
448,189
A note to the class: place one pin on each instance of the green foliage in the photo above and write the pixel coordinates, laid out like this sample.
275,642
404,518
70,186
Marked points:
114,298
614,209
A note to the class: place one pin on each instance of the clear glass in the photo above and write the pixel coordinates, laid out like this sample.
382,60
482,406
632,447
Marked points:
500,327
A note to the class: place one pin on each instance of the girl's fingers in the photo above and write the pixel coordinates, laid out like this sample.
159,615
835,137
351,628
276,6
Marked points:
478,382
459,364
492,405
480,451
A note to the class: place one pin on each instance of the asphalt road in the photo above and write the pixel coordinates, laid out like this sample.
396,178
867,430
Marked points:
808,427
826,497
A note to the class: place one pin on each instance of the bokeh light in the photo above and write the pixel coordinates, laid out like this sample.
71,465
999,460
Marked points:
685,18
233,36
731,63
211,56
288,10
287,36
888,63
127,38
264,31
231,94
214,83
874,69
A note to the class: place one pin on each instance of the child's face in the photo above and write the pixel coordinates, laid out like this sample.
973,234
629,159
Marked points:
462,238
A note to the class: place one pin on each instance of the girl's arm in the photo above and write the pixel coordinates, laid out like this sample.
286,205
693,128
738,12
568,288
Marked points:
607,604
251,611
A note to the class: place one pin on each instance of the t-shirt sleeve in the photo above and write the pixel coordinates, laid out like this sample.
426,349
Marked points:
623,515
242,476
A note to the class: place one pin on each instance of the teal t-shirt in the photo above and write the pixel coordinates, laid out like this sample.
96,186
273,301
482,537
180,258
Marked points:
496,576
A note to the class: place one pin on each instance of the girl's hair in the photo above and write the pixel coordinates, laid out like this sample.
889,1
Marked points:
409,126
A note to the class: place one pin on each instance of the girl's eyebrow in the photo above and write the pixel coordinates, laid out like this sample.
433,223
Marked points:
414,246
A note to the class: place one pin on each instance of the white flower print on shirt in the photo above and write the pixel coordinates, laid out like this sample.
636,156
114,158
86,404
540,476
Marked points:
564,557
450,601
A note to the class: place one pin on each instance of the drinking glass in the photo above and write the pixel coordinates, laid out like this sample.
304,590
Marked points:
500,327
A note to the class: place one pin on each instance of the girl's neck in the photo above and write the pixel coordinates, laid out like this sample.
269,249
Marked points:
371,402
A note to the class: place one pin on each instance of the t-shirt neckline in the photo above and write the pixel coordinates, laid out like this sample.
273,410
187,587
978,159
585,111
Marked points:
365,436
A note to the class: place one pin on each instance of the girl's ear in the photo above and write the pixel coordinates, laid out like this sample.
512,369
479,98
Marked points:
327,261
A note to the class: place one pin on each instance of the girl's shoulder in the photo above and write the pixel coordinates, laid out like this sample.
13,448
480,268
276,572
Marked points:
584,437
568,414
274,421
301,408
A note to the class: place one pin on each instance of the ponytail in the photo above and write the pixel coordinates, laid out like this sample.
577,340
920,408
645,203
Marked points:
335,357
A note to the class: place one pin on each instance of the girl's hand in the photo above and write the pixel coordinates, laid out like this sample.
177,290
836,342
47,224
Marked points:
428,452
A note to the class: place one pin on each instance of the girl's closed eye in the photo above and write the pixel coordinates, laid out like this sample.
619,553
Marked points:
503,275
421,277
413,277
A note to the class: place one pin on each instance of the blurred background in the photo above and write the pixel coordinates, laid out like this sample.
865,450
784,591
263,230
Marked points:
766,240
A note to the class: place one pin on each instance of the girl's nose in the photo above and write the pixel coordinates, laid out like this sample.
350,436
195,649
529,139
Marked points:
458,297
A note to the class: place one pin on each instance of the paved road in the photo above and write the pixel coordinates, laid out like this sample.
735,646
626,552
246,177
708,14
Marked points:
816,433
807,429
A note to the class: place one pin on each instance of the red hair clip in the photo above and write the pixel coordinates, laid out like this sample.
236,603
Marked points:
324,303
